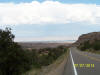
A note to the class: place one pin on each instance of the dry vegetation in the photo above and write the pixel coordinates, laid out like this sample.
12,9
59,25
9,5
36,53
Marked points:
39,45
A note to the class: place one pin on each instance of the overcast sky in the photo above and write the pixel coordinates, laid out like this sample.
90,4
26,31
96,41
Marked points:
48,20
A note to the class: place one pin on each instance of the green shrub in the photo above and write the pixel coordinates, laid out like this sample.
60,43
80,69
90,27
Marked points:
13,59
96,45
86,45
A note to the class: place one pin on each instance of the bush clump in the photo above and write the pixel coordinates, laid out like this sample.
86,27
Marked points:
91,46
13,59
46,56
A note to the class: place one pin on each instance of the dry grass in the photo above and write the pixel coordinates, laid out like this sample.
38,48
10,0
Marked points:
93,51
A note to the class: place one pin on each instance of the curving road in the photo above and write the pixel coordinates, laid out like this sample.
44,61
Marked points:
82,63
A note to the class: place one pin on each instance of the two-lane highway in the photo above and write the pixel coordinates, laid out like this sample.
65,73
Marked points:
82,63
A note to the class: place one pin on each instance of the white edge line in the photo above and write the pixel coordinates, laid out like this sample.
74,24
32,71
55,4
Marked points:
75,72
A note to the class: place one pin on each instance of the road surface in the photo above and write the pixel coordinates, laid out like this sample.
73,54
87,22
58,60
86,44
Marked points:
82,63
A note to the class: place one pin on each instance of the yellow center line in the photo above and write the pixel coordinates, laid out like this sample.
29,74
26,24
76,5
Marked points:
90,57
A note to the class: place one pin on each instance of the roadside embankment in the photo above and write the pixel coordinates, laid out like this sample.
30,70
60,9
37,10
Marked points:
57,68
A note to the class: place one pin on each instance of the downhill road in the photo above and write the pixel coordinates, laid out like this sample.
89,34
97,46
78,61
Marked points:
82,63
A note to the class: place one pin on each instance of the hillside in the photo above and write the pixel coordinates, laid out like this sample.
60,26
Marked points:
91,37
89,41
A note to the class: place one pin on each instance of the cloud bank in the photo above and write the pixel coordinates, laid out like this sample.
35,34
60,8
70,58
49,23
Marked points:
50,38
48,12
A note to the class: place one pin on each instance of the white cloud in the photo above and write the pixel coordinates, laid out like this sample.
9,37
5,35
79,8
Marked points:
51,38
48,12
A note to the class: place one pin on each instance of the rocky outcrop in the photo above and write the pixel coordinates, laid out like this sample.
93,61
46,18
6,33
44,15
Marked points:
91,37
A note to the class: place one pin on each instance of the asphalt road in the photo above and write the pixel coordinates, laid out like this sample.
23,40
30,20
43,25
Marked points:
82,63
